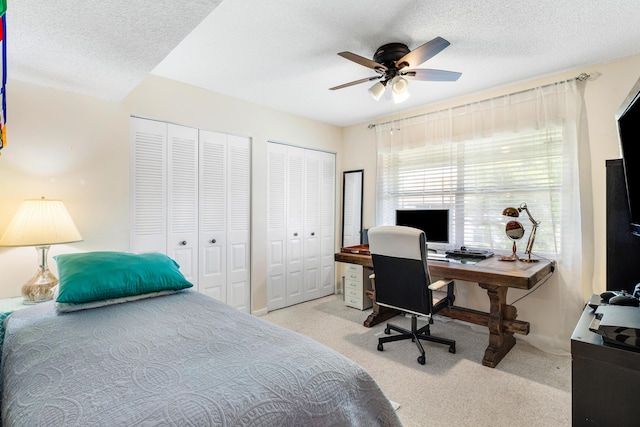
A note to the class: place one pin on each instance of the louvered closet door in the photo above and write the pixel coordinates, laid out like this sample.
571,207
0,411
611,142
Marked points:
182,233
276,226
238,222
212,260
148,186
295,184
312,223
328,212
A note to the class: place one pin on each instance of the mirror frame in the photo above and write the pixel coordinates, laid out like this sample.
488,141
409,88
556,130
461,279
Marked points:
512,227
351,198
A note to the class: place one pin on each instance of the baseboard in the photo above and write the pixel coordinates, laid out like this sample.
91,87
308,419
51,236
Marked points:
260,312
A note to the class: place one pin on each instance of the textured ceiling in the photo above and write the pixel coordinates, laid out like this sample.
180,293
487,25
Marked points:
283,53
98,48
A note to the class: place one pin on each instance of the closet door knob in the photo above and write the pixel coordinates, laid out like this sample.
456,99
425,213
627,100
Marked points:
213,240
295,234
183,243
313,234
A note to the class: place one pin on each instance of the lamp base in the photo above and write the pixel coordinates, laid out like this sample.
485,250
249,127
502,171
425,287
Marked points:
40,287
513,256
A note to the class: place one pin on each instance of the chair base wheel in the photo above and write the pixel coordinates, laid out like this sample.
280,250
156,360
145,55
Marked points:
416,335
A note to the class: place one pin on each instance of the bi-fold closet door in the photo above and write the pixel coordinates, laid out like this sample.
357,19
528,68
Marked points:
224,217
300,222
190,199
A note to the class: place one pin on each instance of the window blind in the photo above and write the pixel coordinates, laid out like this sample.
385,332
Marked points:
476,179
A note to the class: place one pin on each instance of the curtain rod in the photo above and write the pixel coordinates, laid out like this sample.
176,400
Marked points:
580,77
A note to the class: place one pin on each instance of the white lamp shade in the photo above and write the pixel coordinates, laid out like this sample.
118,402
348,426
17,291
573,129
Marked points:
377,90
40,222
399,89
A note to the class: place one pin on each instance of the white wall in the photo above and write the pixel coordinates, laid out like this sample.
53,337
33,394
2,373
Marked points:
76,148
68,147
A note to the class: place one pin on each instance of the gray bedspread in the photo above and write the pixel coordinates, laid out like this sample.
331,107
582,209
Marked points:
181,360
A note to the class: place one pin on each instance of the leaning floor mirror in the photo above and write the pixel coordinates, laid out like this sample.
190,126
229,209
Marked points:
352,207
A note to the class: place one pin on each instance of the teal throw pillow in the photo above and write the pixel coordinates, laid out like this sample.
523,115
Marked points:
95,276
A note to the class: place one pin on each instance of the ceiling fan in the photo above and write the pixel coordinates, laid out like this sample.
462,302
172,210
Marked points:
394,61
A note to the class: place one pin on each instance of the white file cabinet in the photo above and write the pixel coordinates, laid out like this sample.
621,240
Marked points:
356,284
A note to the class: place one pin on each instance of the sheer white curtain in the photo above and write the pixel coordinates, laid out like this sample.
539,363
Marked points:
480,158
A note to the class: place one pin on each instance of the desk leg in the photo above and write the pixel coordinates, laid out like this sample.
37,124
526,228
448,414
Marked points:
500,341
379,313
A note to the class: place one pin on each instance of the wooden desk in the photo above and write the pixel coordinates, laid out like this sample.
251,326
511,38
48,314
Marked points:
491,274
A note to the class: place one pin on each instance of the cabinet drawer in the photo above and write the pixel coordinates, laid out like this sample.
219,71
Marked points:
353,272
350,292
353,302
353,284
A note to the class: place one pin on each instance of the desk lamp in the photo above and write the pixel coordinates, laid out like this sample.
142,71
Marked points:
514,213
40,223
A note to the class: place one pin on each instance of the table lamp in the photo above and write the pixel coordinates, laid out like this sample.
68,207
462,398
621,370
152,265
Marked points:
514,213
40,223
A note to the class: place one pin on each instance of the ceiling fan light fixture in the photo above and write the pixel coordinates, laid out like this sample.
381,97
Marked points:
377,90
399,89
393,61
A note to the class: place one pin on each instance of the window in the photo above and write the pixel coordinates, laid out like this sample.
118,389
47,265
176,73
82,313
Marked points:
476,179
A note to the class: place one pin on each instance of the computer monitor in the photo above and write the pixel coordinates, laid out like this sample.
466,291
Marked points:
434,222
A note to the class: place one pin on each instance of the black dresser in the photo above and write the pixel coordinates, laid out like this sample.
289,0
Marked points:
605,382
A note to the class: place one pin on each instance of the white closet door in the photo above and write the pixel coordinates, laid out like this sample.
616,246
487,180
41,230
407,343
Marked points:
300,225
238,222
276,226
312,223
295,183
148,186
182,233
212,247
327,274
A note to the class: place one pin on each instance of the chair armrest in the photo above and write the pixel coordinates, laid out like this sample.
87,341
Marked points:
439,284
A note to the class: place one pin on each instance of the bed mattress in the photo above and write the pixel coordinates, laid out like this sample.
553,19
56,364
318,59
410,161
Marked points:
180,359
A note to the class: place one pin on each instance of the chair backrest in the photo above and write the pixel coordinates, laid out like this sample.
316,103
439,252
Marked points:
399,256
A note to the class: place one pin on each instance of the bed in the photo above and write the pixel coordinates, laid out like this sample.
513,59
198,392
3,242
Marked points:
175,357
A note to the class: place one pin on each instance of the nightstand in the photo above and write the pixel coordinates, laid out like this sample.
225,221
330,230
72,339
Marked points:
9,305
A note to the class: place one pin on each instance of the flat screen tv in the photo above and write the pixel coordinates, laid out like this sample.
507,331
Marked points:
434,222
628,119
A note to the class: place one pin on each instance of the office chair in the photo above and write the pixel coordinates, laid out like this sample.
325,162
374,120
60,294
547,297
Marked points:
402,282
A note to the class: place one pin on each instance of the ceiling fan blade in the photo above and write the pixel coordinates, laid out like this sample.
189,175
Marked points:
422,53
357,82
432,75
363,61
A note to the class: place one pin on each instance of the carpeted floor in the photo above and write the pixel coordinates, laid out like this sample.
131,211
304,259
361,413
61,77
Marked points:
528,388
